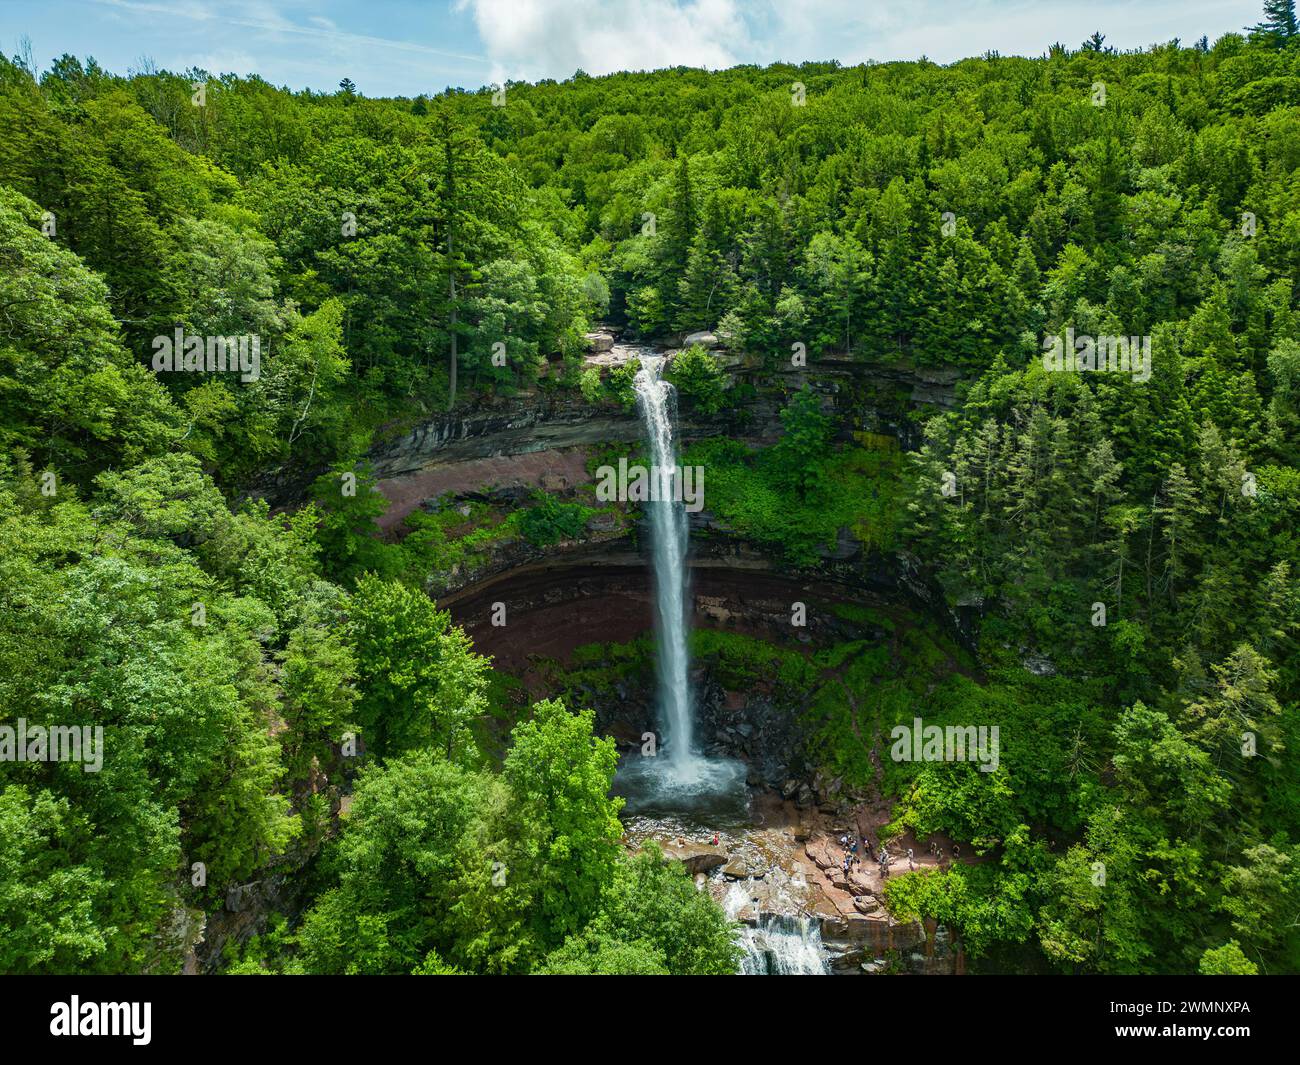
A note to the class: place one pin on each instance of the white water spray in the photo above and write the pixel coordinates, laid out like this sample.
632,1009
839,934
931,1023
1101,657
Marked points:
779,944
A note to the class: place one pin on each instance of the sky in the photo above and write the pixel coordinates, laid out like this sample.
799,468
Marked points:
408,47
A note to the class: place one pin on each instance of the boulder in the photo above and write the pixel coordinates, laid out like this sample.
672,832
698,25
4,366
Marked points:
824,853
240,896
704,339
858,882
599,341
697,857
739,869
1040,666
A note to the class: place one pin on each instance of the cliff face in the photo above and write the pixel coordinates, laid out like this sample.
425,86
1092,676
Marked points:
523,605
877,397
600,590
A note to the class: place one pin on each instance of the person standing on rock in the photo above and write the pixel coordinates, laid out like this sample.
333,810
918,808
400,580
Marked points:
910,864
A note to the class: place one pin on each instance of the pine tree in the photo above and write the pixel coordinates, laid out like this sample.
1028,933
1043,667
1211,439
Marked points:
1279,23
680,227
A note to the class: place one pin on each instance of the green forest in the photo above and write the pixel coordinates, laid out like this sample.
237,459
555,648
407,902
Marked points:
194,561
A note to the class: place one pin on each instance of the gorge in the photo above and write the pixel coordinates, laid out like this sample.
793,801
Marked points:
728,761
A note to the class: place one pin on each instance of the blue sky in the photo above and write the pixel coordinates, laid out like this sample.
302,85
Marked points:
404,47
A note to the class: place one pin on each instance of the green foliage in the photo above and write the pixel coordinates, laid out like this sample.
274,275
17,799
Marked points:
1227,960
655,902
442,869
408,860
591,385
70,393
566,828
593,955
696,375
548,521
348,502
109,623
419,682
620,383
802,505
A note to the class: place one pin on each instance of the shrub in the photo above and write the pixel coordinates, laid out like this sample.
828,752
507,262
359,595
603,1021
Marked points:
696,375
551,521
591,386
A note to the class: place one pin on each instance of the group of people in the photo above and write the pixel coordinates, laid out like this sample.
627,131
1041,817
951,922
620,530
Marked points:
937,851
881,856
849,842
850,847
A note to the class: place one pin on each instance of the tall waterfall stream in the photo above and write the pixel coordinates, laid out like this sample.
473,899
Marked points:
680,783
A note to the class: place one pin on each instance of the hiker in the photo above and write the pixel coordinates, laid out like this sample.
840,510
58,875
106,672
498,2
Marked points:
715,839
910,864
956,851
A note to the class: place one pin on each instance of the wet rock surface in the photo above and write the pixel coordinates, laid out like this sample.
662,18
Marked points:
783,870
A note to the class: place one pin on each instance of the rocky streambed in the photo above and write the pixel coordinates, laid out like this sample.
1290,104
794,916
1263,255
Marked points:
779,873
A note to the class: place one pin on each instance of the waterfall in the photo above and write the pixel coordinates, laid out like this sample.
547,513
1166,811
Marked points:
681,779
669,535
783,945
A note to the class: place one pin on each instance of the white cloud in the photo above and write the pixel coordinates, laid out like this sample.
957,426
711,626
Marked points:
530,39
